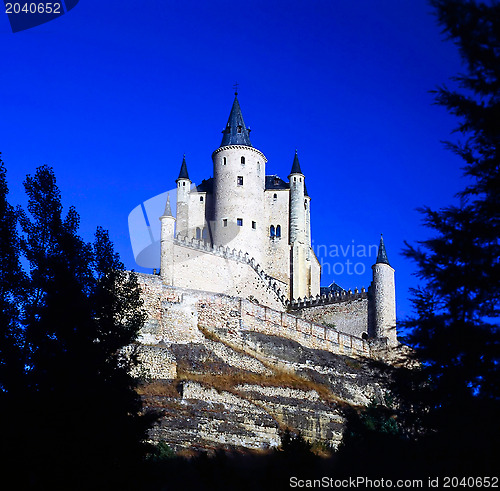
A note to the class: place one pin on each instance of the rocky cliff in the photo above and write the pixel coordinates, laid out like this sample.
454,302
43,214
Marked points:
241,391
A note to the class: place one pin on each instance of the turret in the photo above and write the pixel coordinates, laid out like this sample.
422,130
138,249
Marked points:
183,189
297,201
239,182
383,296
167,244
300,271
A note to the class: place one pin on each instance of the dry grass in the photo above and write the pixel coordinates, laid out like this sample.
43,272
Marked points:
161,388
280,378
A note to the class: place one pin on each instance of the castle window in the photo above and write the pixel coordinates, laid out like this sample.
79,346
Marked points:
239,129
294,179
240,180
224,161
204,233
305,204
198,233
183,183
224,222
239,222
242,160
275,197
271,231
254,225
278,230
201,198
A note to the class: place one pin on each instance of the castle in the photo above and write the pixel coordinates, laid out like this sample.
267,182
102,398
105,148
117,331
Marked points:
246,234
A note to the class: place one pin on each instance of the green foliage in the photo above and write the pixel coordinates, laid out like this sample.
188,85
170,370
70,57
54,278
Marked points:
160,452
77,402
11,289
453,397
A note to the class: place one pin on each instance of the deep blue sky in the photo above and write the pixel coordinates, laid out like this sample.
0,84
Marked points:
113,93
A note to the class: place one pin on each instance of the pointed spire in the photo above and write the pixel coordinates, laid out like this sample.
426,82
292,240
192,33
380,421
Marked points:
183,174
168,210
236,133
296,165
382,254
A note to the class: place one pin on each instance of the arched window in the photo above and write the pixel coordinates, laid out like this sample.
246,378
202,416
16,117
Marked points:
242,160
198,233
224,161
239,129
271,231
278,230
275,197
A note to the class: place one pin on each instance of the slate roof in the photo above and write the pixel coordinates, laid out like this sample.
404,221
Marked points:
183,173
236,133
206,186
382,254
275,182
296,165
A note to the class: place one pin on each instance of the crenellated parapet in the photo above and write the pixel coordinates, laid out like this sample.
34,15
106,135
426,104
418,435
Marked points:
337,297
277,287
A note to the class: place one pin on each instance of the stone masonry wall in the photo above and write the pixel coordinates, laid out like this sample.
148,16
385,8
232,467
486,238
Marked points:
349,316
175,315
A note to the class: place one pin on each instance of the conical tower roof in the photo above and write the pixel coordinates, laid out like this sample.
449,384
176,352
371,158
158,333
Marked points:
183,173
236,133
168,210
382,254
296,165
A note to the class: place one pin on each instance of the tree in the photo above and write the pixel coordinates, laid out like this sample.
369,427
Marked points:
11,282
454,395
79,418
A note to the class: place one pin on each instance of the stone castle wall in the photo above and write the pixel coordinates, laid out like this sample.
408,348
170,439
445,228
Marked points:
176,314
349,316
197,265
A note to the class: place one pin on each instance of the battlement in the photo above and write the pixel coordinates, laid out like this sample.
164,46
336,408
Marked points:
175,315
337,297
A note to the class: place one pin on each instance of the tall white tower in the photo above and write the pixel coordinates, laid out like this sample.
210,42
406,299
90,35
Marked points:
300,267
239,183
167,245
183,189
383,293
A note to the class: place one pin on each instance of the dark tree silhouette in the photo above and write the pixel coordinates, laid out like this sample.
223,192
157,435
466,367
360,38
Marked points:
453,398
11,283
77,417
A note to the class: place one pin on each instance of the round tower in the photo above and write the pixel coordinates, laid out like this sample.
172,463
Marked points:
239,183
300,266
183,189
383,294
298,203
167,245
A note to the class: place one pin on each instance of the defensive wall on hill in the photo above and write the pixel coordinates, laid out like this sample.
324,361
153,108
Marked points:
175,315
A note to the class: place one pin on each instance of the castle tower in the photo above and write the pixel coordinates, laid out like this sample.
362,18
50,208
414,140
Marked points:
383,293
300,270
239,182
307,206
183,189
167,245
